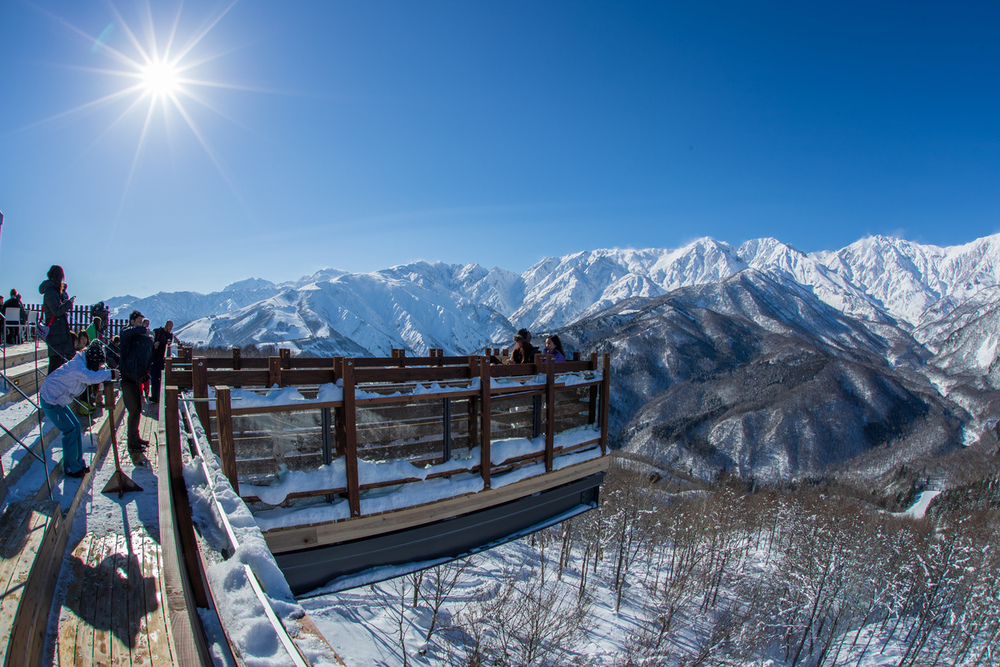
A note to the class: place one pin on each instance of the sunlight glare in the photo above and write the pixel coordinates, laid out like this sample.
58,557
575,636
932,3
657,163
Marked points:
160,78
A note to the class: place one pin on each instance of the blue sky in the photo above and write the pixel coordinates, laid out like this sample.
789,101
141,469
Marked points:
360,135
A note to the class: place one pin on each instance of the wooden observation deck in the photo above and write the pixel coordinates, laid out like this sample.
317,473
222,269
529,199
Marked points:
351,464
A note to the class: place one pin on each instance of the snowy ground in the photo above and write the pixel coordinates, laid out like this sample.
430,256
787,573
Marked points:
379,625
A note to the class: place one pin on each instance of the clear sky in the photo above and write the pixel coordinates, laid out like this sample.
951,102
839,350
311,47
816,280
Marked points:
362,134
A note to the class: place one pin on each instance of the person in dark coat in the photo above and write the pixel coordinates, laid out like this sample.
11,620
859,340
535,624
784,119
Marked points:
136,356
56,305
13,333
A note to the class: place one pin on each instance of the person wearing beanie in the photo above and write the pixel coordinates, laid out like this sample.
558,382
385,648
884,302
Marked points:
56,305
524,352
57,393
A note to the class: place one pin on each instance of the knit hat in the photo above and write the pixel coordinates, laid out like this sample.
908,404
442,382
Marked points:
524,335
95,355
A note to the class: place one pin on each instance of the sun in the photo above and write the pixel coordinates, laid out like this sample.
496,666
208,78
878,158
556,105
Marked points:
161,68
161,78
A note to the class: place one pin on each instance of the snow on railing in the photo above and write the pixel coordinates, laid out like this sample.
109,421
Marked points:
240,568
509,414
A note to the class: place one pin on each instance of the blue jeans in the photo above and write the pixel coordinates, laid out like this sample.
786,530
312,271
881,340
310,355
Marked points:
72,436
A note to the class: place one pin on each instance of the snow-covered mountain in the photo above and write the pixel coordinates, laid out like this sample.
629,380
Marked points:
909,279
463,307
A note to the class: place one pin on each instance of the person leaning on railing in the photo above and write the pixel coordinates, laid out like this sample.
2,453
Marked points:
57,393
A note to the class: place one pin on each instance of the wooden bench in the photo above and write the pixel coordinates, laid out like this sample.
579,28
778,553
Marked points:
29,565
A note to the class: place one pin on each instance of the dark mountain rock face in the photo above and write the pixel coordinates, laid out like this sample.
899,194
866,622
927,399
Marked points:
760,379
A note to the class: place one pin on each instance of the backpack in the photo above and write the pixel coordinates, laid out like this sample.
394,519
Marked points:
137,354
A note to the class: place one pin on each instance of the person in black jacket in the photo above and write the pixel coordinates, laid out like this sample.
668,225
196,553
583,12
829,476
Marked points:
56,305
136,356
161,343
13,332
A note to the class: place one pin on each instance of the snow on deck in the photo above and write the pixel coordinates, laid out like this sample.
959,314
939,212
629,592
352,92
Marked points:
408,495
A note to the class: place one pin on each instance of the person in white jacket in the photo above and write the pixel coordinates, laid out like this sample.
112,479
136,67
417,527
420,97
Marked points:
57,393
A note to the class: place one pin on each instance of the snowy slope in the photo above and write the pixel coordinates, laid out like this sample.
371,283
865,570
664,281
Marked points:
908,279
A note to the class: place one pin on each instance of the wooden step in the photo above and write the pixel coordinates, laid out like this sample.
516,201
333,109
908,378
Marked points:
29,562
22,354
26,377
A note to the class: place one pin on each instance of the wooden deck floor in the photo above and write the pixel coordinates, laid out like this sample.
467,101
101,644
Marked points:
113,610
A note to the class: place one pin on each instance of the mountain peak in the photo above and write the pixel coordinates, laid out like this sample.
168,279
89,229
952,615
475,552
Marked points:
248,285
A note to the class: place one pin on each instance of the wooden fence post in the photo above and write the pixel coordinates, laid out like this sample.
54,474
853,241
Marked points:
286,357
199,385
237,359
340,435
473,417
605,402
592,406
227,447
273,371
351,440
550,410
485,464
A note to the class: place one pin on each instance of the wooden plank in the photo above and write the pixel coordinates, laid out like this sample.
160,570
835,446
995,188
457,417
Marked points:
159,633
605,402
103,569
227,450
485,426
350,439
73,618
136,616
550,410
187,637
281,540
22,546
30,638
180,514
118,635
180,377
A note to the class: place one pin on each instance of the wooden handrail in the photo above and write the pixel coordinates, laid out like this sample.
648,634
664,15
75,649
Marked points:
480,418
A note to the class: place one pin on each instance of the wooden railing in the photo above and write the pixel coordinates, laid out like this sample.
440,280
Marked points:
382,416
79,318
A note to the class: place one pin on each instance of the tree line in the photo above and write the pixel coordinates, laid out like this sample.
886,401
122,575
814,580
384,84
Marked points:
725,576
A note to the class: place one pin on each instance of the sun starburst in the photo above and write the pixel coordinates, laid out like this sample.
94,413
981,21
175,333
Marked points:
156,64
